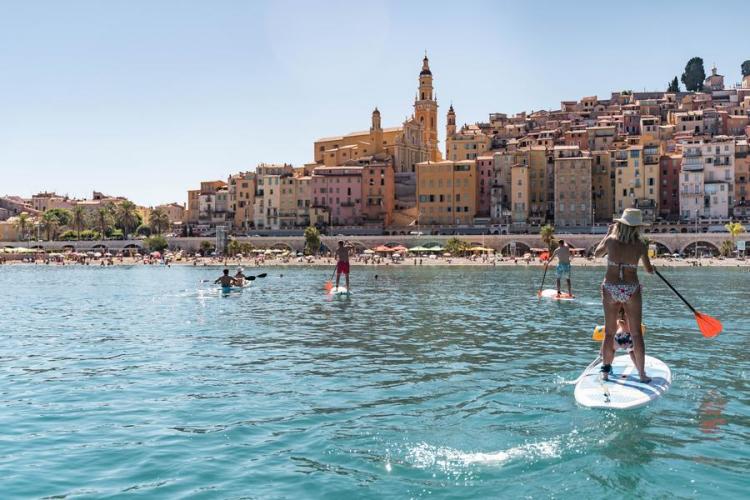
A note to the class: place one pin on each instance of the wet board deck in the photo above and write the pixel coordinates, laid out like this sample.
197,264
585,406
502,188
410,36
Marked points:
340,291
623,390
551,293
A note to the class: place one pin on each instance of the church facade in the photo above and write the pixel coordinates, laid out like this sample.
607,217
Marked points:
415,141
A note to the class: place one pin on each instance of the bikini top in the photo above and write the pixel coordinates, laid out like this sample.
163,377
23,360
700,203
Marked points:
621,266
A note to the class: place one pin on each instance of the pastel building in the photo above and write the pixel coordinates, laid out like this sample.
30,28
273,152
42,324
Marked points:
707,178
485,181
741,179
446,192
669,186
338,192
241,189
572,188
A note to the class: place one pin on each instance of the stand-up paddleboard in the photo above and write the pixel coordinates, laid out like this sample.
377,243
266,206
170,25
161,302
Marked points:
623,390
551,293
341,290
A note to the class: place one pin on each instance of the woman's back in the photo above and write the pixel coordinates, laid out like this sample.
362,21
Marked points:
622,259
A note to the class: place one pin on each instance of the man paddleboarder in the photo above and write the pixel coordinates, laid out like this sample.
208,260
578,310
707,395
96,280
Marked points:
342,263
562,252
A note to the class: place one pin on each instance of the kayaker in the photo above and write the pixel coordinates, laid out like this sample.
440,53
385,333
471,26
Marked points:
624,248
240,277
225,280
562,252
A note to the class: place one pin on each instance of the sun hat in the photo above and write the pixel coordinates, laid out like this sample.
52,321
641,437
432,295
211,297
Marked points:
632,217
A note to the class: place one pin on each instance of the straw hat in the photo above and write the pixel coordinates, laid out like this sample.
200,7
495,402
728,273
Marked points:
632,217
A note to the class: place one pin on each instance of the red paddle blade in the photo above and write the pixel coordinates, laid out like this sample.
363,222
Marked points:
710,327
328,285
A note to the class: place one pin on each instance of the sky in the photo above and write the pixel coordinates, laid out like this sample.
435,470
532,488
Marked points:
146,98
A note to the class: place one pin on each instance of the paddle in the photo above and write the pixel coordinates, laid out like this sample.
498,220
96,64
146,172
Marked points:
329,284
539,293
709,327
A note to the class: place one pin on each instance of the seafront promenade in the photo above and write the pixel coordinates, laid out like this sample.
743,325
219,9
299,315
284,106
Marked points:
666,242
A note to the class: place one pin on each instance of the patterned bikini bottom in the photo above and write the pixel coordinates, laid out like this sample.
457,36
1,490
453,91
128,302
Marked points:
621,292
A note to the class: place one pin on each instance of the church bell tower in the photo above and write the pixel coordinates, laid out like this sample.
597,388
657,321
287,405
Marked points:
425,110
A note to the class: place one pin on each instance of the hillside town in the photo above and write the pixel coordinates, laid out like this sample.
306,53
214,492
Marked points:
680,156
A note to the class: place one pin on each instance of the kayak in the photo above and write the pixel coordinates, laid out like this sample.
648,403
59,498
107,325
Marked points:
228,289
551,293
623,390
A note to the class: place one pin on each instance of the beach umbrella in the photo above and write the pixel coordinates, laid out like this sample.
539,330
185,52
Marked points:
447,254
418,249
368,251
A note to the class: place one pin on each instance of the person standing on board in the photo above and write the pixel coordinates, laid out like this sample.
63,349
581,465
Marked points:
624,248
342,263
562,252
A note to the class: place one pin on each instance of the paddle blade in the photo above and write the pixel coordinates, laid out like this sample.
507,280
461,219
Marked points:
328,286
262,275
250,278
709,327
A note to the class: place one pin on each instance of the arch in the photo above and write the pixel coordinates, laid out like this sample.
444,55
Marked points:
37,247
701,247
134,246
521,248
100,246
661,248
358,246
392,244
69,248
282,246
432,244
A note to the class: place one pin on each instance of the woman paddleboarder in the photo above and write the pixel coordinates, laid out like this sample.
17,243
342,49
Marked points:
624,248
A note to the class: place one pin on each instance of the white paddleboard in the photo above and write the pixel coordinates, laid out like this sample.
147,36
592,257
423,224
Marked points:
623,390
341,290
551,293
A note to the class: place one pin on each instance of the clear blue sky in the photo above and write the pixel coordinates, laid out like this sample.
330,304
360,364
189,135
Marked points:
146,98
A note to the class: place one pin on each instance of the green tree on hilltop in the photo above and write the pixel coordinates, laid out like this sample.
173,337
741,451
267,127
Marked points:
673,86
694,75
746,68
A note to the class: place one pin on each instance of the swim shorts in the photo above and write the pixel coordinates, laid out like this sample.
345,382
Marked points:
563,271
342,267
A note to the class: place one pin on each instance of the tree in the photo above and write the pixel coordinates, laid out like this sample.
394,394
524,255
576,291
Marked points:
127,217
233,248
694,75
673,86
50,223
455,246
746,68
78,219
734,229
207,247
158,220
143,230
63,215
726,248
103,220
547,232
22,224
312,240
156,243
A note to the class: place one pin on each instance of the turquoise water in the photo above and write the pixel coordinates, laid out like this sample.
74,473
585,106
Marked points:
427,382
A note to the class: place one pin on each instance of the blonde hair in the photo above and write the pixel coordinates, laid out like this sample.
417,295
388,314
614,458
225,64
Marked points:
627,234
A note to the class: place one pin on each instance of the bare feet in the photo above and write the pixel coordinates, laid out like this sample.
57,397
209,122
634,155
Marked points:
645,379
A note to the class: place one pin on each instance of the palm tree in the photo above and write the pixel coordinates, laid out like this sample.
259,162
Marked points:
312,240
103,220
22,224
734,229
127,217
50,223
79,219
547,232
158,220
